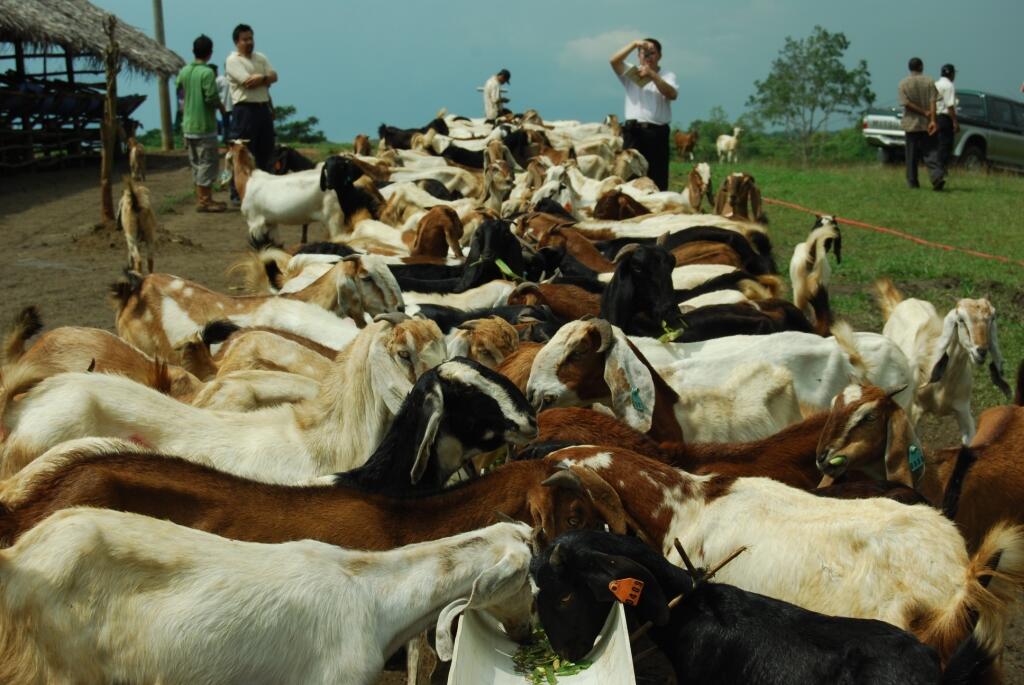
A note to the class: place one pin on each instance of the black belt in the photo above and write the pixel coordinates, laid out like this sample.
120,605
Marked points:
250,104
644,124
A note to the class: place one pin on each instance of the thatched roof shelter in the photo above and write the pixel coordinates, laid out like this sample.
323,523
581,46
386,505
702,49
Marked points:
77,25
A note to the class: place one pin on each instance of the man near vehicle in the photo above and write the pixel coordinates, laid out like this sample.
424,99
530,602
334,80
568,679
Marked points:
648,112
250,76
945,115
199,122
918,96
493,100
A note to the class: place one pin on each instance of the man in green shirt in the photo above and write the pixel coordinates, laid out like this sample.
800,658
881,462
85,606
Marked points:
200,123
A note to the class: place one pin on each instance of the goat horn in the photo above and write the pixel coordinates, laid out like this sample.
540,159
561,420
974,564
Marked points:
555,559
557,274
525,286
604,330
352,258
565,478
467,325
625,251
394,318
502,517
662,239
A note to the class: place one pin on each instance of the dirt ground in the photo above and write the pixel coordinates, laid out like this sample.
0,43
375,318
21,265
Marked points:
56,257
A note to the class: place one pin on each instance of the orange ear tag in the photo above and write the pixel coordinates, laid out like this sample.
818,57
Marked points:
627,590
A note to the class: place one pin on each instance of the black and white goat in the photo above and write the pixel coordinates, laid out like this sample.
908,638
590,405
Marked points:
721,634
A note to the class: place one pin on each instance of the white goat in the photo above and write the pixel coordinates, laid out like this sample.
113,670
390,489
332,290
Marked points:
942,351
726,146
336,431
755,400
167,604
809,270
821,367
291,200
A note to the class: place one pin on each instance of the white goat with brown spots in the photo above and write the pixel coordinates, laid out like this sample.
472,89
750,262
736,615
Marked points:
809,270
942,351
135,217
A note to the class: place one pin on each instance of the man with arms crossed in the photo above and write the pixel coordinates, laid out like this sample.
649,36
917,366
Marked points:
649,92
250,75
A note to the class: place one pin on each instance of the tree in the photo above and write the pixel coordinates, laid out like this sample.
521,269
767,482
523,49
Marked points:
808,85
296,131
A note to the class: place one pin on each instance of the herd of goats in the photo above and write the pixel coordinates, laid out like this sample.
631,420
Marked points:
516,378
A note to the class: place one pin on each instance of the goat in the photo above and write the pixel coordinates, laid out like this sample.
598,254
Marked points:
720,633
977,486
592,361
136,219
136,159
941,352
685,143
229,596
639,299
487,341
726,146
616,205
568,302
291,200
289,160
249,349
739,191
438,231
159,311
834,556
809,270
361,145
334,432
402,138
820,367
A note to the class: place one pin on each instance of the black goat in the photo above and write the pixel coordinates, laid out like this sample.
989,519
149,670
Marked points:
450,318
340,174
753,261
287,159
639,297
722,634
438,190
455,411
401,138
474,159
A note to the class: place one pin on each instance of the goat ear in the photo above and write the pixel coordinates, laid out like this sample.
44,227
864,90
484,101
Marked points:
838,246
720,199
901,441
508,575
350,296
431,413
948,331
602,569
755,202
325,183
390,381
995,367
630,383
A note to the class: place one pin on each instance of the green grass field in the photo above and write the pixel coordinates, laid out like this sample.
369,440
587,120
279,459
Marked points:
976,211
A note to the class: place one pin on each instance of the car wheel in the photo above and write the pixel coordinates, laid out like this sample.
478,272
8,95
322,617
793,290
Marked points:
973,158
889,155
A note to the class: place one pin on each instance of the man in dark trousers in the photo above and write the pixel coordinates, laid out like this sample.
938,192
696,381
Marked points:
250,76
918,96
945,115
649,92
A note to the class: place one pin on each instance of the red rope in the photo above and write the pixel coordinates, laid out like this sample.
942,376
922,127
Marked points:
899,234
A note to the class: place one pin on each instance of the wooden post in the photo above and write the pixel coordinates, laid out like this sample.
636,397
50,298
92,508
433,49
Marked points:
108,130
166,134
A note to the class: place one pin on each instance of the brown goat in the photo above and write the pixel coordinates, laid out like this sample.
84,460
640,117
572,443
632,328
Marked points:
117,475
738,192
361,145
516,366
439,230
616,205
685,143
566,301
977,486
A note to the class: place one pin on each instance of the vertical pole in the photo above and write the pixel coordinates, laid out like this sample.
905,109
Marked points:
108,130
165,99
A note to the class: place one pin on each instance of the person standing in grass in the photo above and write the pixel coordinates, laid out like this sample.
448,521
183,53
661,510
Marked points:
918,96
945,115
199,122
649,94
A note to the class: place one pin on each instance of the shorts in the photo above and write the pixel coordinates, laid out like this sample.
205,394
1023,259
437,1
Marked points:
204,160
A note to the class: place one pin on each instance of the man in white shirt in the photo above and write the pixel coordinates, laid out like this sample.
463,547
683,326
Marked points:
493,100
649,92
249,77
945,110
224,90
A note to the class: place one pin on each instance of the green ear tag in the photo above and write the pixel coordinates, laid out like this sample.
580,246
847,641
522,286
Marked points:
916,458
638,404
505,269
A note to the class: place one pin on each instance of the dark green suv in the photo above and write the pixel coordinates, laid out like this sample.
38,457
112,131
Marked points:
991,131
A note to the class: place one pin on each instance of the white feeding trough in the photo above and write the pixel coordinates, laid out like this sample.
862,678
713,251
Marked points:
483,654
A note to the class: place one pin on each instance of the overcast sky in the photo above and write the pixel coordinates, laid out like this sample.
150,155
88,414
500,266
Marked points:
356,64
